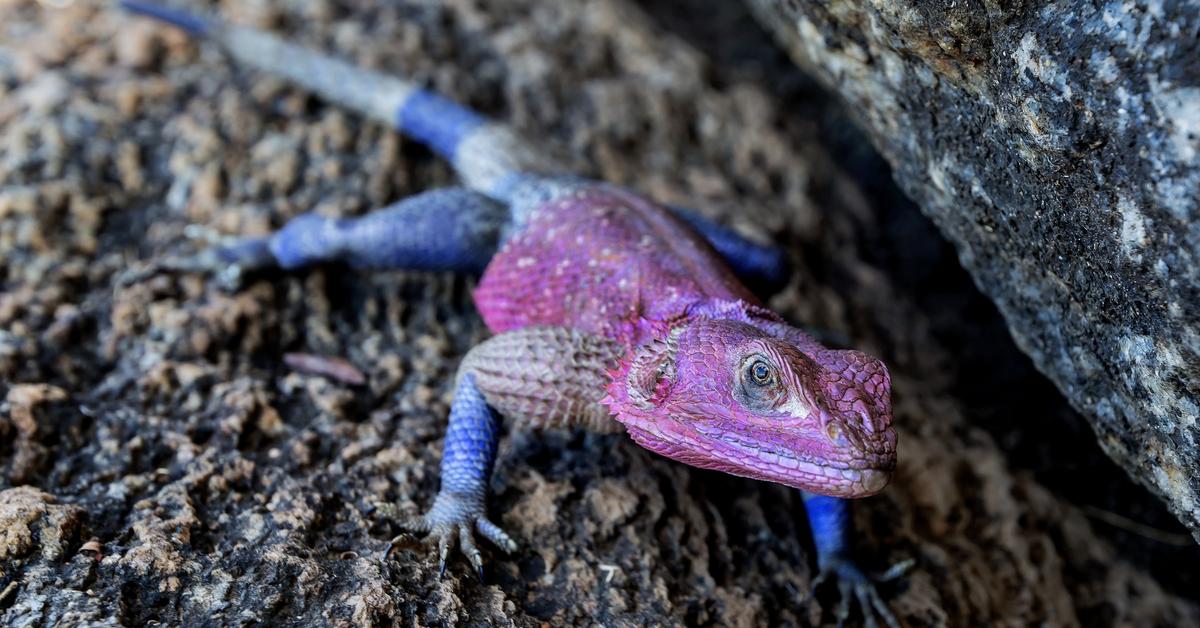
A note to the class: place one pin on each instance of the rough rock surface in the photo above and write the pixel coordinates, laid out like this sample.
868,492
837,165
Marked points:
160,462
1058,146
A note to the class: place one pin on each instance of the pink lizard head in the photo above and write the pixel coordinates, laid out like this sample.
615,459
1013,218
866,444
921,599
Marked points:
761,400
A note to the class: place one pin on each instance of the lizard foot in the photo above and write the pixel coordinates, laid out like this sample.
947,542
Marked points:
854,584
453,520
230,261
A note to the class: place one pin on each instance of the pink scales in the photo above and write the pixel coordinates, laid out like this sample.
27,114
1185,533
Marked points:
605,262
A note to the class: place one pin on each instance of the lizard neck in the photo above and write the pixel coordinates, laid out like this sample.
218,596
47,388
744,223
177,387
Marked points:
730,309
641,331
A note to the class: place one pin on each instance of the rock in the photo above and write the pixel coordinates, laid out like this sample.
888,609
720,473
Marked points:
31,522
35,412
1058,147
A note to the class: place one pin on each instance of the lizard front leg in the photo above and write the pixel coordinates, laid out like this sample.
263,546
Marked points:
460,508
536,376
829,518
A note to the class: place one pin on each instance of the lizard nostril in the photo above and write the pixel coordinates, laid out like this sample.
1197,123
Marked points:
868,423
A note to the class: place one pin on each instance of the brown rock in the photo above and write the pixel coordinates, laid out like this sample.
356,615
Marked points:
32,521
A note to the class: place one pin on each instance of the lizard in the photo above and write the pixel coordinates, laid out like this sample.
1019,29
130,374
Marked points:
609,312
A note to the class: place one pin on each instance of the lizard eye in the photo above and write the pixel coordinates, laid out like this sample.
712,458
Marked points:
760,387
759,372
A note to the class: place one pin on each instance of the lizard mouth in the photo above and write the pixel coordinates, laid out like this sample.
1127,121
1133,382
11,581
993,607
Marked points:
710,447
865,474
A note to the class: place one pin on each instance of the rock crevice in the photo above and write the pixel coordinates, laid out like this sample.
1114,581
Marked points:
1058,147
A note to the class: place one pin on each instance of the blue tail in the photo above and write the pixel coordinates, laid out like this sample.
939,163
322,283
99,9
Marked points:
487,156
193,24
437,122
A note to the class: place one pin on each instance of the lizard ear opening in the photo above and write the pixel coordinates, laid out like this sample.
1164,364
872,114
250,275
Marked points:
653,372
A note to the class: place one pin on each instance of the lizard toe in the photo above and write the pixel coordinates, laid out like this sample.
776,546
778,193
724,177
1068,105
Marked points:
230,262
861,593
843,608
445,541
878,605
453,521
855,586
466,541
419,524
231,278
496,535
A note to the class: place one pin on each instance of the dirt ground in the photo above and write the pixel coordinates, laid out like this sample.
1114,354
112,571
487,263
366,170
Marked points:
160,462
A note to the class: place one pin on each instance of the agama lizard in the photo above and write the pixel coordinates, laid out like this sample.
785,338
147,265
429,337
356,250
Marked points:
609,311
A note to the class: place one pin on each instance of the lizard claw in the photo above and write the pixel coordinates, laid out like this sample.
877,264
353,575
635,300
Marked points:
205,235
853,584
228,260
453,521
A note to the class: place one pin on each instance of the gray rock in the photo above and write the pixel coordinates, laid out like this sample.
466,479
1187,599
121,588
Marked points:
1057,146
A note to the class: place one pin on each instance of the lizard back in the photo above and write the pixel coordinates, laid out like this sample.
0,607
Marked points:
605,262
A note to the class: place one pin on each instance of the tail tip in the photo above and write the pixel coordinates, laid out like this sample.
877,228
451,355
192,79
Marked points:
191,23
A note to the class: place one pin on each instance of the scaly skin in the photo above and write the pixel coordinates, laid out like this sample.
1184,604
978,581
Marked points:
611,264
609,311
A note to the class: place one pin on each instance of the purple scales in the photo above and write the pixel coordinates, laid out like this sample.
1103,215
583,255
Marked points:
684,332
606,262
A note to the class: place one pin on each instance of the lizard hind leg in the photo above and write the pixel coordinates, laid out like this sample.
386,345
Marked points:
763,267
452,229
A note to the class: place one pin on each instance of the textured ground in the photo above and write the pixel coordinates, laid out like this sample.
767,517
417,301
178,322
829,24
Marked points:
159,461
